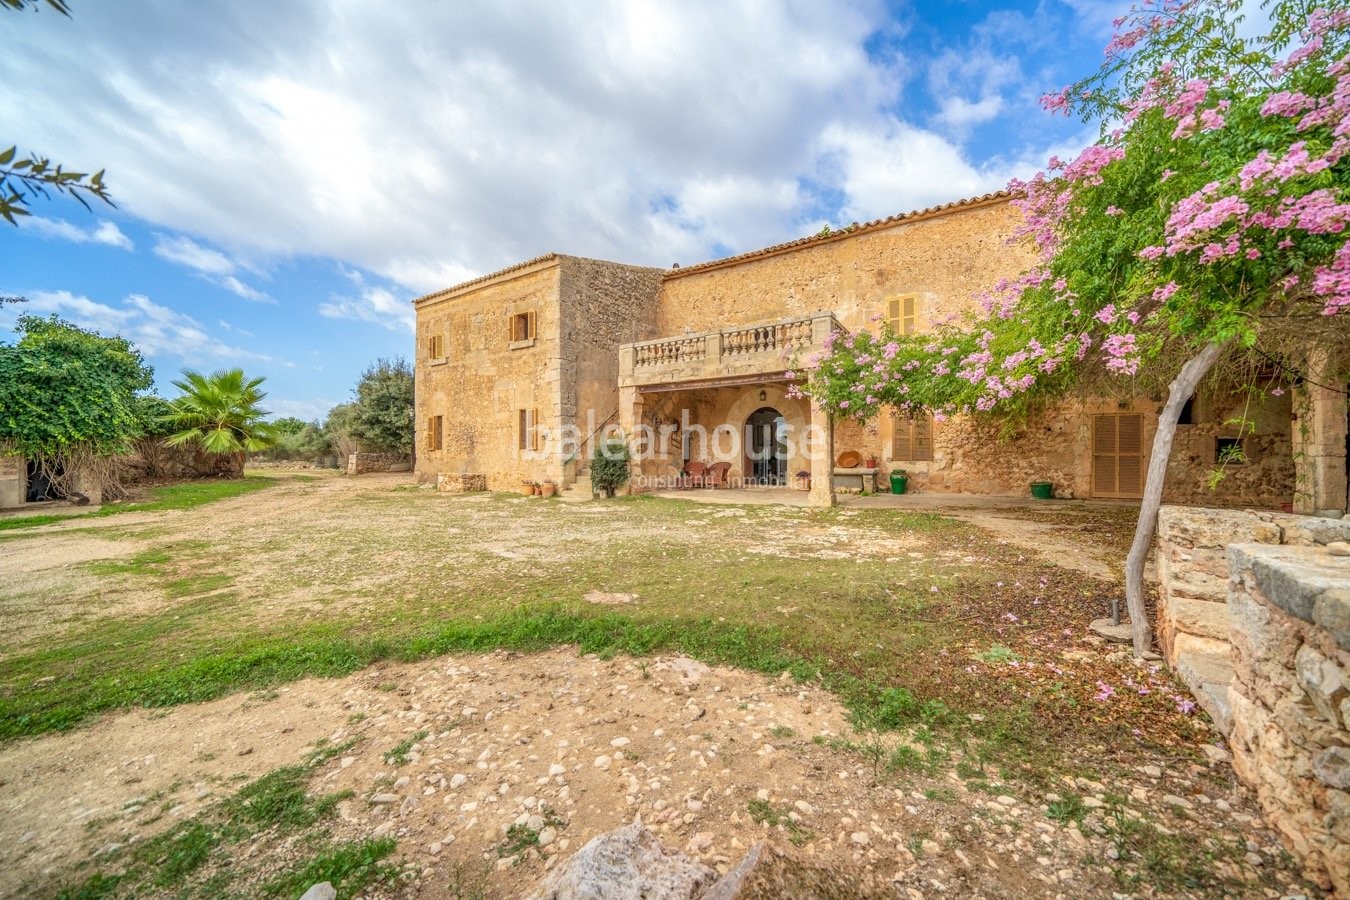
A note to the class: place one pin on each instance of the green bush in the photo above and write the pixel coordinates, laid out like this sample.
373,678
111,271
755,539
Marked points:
609,466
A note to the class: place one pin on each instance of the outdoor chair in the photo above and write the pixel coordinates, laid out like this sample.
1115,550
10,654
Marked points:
717,474
697,472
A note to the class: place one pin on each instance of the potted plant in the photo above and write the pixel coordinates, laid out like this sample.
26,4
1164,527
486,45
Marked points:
899,481
526,486
871,462
549,488
803,480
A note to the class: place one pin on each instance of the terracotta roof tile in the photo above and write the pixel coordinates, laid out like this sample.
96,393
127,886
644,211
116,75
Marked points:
547,257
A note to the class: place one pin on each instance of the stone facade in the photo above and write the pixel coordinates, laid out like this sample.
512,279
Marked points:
1290,613
563,373
625,346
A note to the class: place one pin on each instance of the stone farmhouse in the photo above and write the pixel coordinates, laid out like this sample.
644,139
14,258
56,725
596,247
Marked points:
520,372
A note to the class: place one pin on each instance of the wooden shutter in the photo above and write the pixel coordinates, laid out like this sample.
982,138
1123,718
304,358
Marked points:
901,313
435,432
529,429
911,438
1118,455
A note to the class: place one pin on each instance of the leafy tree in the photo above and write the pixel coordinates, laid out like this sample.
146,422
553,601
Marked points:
337,429
289,425
218,415
382,415
1211,215
23,176
70,398
610,465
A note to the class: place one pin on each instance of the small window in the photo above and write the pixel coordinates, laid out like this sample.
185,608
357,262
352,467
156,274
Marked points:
436,346
1187,415
1228,450
529,429
435,433
911,438
901,313
522,327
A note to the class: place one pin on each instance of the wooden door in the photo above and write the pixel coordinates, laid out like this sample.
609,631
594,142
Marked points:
1118,455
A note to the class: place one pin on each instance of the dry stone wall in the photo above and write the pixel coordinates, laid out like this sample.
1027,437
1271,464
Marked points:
1290,613
362,463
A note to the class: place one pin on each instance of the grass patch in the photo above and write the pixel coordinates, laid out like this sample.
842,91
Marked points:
199,857
398,755
185,495
763,812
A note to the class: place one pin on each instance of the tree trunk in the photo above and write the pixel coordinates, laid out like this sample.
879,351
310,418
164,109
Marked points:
1183,386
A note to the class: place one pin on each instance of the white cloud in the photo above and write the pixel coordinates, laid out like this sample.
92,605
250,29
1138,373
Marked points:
155,330
208,263
307,410
104,232
187,252
372,304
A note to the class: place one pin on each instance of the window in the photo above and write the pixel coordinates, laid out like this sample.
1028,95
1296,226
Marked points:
529,429
911,438
435,433
436,346
901,313
522,327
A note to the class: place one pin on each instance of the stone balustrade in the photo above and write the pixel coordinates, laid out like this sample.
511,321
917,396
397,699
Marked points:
765,348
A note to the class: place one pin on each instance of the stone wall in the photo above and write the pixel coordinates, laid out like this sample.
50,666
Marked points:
13,481
1290,613
946,257
603,305
583,309
1193,580
363,463
447,483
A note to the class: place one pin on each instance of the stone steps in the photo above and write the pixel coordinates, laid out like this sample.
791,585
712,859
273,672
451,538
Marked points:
580,489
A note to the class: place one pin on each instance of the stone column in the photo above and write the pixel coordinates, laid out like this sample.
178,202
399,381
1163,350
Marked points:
630,417
822,458
1318,437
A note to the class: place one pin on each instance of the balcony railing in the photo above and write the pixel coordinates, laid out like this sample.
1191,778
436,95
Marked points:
761,349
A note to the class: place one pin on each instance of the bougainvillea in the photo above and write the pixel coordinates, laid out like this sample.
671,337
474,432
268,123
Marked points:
1215,201
1210,215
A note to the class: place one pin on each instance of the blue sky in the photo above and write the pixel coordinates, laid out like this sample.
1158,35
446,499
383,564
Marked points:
289,176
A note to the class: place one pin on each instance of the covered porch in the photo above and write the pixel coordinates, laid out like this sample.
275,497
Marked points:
717,409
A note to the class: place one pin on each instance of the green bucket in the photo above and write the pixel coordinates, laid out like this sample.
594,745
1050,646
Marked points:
899,484
1042,490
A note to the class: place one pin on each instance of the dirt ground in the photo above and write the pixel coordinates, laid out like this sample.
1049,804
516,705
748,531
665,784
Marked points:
449,753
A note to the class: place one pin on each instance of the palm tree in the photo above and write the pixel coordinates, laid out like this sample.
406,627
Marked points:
218,415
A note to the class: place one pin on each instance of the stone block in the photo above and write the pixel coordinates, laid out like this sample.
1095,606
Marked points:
1332,767
1331,610
1323,680
1200,617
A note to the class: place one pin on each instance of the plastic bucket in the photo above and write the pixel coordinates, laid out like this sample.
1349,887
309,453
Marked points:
1042,490
899,484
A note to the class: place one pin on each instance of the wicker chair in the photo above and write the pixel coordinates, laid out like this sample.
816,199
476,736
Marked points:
717,474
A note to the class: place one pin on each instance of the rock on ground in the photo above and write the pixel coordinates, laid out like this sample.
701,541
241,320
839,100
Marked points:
628,863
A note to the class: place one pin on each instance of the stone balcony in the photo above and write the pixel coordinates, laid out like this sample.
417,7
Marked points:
765,349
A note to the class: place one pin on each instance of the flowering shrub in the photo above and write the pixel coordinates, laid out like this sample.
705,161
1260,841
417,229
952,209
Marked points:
1216,200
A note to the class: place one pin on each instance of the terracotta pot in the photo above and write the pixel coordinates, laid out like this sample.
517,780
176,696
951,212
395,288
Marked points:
548,489
527,488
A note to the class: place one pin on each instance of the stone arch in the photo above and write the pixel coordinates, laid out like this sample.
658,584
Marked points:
795,412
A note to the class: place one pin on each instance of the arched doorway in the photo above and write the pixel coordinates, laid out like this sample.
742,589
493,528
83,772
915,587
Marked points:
766,433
